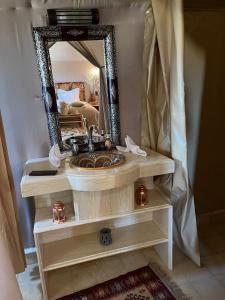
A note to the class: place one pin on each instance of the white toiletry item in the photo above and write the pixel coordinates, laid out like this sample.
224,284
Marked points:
131,147
55,156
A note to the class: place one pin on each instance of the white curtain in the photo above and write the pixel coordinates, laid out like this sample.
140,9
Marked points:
8,284
11,251
163,122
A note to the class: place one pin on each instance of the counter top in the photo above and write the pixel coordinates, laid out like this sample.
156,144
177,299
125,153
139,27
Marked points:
73,178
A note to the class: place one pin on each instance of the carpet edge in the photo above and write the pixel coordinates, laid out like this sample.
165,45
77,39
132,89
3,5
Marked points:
168,282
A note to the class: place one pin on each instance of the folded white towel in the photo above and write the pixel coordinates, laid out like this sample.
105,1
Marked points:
55,156
131,147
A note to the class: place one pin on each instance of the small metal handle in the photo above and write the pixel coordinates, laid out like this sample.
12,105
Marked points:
91,148
75,149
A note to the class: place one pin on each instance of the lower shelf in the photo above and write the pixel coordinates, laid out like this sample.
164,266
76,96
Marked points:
86,247
68,280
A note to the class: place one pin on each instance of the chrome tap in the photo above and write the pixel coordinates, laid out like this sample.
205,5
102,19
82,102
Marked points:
74,146
89,131
91,146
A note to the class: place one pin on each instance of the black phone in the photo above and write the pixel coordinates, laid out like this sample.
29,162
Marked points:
43,173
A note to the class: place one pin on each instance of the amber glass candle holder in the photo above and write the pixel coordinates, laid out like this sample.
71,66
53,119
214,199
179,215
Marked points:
58,212
141,196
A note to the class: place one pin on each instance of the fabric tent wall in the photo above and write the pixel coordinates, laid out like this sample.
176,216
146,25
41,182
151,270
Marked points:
164,118
65,71
22,110
205,102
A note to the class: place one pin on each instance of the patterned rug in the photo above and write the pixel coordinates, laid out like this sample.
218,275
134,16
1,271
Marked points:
141,284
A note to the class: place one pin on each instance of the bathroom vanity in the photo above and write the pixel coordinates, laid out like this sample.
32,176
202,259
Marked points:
95,199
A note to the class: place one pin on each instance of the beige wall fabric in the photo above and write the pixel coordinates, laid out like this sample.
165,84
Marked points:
9,227
23,113
164,127
71,71
22,110
205,102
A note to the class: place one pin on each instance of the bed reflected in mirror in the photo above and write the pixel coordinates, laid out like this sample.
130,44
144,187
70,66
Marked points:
76,68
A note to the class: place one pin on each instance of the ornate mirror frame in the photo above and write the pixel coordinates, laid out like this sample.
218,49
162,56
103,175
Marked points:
44,35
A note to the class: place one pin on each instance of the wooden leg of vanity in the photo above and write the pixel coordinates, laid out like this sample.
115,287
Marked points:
164,219
43,275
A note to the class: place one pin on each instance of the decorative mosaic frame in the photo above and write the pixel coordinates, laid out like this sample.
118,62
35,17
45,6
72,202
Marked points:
42,36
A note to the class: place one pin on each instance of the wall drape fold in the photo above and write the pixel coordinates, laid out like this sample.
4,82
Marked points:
9,227
163,122
8,284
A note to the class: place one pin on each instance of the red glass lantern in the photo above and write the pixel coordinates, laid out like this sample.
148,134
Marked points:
59,212
141,196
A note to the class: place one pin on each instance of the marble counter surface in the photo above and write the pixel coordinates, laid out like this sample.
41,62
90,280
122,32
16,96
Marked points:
73,178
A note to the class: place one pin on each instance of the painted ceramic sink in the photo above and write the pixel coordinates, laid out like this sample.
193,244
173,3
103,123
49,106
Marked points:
97,160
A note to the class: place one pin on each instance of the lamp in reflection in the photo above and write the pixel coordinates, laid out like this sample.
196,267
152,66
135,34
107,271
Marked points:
94,84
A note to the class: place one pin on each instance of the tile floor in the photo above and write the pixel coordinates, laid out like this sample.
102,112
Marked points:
207,282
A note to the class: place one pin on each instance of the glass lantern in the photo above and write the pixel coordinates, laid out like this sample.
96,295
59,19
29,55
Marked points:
141,196
59,212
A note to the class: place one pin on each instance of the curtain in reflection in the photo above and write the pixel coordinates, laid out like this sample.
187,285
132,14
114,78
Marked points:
9,229
50,44
104,116
163,119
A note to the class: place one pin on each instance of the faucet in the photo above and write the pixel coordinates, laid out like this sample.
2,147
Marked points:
91,147
74,146
89,131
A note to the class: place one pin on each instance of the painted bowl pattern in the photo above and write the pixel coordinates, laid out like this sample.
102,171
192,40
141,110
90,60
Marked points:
97,160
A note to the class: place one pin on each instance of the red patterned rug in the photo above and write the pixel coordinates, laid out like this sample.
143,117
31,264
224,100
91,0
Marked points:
141,284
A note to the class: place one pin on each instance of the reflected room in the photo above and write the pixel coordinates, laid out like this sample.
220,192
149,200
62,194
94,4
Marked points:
77,87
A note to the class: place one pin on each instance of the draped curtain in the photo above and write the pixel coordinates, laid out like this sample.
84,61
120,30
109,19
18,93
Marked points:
104,116
11,251
163,119
9,227
8,284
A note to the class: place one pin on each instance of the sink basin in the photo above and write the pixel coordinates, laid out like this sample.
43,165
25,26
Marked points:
97,160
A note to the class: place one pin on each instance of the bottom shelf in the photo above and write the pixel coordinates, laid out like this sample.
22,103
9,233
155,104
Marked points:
72,279
86,247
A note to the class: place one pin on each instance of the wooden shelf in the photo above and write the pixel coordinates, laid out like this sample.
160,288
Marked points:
86,247
44,223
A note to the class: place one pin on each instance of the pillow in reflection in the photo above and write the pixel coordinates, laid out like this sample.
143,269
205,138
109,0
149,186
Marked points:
68,96
77,104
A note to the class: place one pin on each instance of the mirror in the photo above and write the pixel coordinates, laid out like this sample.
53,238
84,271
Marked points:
79,83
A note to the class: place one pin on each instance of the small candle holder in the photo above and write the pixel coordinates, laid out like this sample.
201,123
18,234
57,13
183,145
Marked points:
58,212
141,196
105,237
